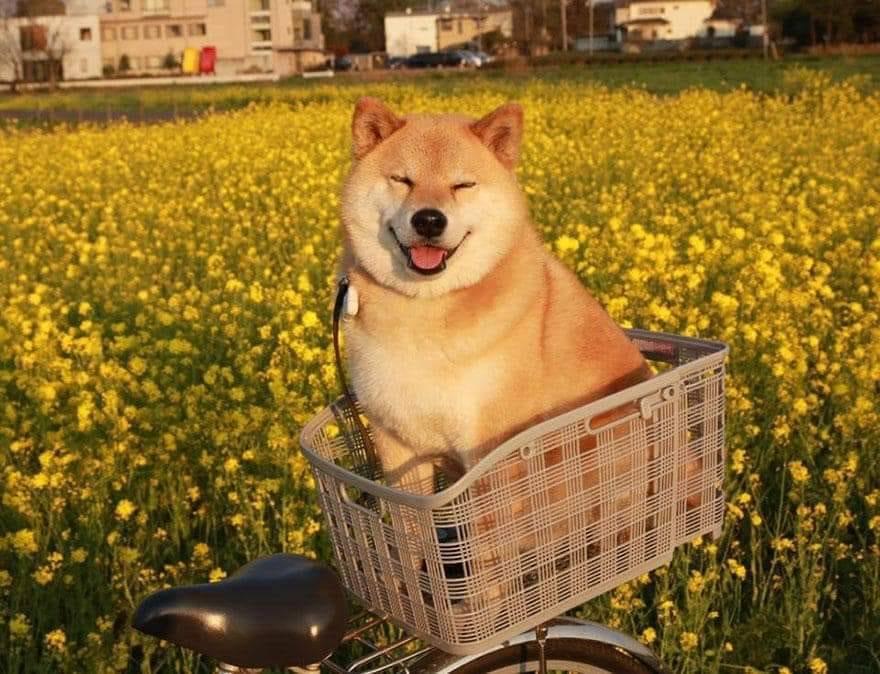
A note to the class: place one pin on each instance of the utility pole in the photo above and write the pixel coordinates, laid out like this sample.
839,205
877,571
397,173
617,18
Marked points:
590,7
562,19
765,37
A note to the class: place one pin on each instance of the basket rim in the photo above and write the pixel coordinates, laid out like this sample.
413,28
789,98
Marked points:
715,351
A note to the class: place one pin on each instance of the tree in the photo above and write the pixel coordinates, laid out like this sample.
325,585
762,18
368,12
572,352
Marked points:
828,21
369,23
11,55
170,62
32,40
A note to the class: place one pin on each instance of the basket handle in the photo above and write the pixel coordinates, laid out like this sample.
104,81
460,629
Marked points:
372,459
645,410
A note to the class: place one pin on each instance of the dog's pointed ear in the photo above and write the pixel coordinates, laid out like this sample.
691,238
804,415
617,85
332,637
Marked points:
372,123
501,131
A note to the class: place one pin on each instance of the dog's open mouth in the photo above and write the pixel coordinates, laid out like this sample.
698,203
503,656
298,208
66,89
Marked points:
424,259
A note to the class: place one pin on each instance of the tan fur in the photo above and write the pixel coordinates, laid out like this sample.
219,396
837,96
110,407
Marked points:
449,366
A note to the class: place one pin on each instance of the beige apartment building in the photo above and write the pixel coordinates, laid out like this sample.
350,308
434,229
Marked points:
281,36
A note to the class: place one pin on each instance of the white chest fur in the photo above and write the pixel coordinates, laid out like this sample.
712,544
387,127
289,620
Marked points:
414,389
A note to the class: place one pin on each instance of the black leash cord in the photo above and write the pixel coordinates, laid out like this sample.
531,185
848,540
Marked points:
372,461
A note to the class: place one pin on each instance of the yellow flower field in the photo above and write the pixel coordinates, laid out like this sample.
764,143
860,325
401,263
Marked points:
165,297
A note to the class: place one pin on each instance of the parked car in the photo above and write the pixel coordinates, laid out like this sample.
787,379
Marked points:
441,59
484,57
470,58
343,63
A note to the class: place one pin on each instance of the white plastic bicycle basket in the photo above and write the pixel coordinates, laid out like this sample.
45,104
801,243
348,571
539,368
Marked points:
554,516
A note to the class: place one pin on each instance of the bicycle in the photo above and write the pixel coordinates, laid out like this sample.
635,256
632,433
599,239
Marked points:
411,559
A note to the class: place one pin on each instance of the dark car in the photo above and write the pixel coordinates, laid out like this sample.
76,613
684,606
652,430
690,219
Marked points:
442,59
343,63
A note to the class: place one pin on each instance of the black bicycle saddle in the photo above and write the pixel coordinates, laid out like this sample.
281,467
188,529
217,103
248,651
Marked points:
278,611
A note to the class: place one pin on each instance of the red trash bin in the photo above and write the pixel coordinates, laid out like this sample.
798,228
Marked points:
207,59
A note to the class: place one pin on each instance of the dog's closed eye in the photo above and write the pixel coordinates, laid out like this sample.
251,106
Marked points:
403,180
464,185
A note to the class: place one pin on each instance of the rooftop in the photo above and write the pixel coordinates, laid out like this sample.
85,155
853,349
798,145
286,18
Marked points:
451,13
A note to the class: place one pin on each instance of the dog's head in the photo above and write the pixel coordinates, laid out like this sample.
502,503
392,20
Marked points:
431,204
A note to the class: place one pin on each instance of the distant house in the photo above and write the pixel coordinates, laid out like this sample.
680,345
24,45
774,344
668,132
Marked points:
413,32
49,48
651,20
722,23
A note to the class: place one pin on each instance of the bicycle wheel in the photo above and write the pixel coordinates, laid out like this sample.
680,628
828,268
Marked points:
571,656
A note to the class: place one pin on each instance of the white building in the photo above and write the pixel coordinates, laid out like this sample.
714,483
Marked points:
410,33
31,47
651,20
413,32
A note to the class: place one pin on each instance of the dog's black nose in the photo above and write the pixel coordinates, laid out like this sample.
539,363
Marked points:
429,222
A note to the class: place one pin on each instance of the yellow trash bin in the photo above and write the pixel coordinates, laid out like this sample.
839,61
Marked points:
190,61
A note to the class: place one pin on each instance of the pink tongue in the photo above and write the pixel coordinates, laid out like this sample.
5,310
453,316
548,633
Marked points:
427,257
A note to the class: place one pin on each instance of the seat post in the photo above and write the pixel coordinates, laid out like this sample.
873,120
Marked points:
541,638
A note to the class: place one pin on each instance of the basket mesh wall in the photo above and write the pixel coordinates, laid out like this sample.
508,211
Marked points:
560,516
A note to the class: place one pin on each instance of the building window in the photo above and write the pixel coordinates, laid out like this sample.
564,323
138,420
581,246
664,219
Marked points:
85,34
445,24
108,34
263,35
460,26
153,32
216,3
83,66
174,30
197,29
32,37
157,6
307,29
129,32
124,6
651,10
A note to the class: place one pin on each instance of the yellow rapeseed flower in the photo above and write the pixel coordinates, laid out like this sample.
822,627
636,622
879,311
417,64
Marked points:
799,472
56,640
688,641
19,626
125,509
818,666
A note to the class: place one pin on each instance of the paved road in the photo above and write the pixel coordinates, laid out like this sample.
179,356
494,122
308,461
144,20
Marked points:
51,117
117,82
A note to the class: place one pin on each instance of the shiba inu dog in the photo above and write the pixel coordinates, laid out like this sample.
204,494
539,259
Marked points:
466,329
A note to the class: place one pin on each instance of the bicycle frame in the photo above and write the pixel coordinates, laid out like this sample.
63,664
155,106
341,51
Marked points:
394,659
